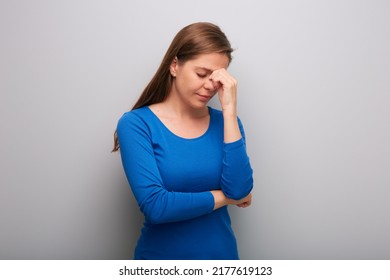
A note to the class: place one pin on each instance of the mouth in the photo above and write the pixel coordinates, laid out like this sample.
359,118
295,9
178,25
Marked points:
204,97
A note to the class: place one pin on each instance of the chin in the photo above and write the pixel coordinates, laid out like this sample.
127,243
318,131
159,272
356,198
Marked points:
199,105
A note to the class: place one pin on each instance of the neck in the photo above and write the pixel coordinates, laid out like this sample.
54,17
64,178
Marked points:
182,110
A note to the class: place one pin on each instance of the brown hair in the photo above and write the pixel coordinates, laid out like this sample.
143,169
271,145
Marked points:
194,39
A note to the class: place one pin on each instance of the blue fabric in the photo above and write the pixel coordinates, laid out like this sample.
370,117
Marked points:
171,178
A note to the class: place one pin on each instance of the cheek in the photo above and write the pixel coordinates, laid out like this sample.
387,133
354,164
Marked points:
189,82
193,83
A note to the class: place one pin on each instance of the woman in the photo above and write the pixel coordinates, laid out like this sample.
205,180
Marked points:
185,161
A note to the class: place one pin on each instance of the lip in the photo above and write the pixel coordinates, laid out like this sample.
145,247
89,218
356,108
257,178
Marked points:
204,97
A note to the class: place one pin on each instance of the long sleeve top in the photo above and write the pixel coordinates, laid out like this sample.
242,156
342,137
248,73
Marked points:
171,178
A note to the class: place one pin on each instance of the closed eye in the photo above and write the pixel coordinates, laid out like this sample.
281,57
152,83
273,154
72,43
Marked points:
201,75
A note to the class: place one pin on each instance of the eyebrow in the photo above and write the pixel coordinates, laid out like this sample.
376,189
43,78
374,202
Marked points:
204,69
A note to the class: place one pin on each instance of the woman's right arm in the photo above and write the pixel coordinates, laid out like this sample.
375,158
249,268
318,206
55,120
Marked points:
220,200
157,203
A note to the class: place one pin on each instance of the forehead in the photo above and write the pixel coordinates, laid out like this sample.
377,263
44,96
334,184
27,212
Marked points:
211,61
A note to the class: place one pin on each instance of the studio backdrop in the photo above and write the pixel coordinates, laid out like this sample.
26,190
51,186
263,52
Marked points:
313,95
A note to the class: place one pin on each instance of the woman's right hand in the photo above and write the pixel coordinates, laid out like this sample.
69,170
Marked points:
244,202
221,200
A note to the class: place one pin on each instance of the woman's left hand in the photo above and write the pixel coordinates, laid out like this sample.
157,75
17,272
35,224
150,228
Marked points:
227,89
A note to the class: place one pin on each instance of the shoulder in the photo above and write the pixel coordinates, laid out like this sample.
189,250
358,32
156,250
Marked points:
136,119
215,111
215,114
217,119
135,115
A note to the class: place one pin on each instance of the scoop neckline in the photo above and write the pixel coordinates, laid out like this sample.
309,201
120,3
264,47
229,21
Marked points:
180,137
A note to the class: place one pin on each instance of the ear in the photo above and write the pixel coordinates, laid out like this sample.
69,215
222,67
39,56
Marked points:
173,67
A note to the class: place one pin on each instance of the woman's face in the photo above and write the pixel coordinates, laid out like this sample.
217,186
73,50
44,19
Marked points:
192,84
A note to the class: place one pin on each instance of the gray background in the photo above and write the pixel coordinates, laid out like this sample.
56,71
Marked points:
313,96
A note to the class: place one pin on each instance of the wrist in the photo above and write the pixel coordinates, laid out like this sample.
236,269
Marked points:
220,199
231,129
229,112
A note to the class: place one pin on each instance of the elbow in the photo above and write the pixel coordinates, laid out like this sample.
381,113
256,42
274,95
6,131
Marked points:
152,205
154,219
238,186
154,215
240,190
155,209
237,182
238,195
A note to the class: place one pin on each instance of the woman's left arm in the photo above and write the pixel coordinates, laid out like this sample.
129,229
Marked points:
237,180
227,92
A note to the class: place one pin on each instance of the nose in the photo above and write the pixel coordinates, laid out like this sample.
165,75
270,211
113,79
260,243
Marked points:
210,85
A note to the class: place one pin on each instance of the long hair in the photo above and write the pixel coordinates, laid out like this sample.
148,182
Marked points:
193,40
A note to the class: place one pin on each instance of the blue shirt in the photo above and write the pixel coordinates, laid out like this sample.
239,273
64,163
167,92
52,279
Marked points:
171,178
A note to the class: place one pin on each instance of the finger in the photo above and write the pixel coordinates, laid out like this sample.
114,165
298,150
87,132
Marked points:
216,85
226,75
243,205
222,76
